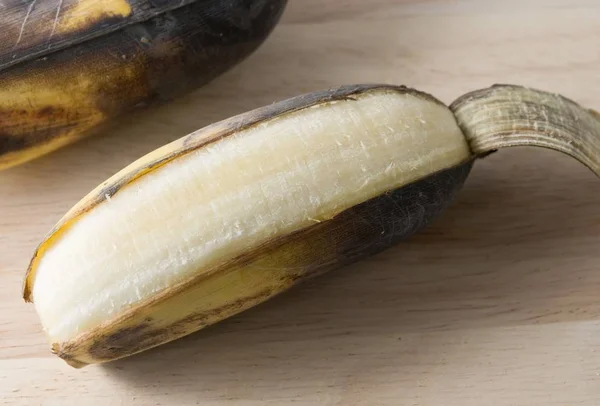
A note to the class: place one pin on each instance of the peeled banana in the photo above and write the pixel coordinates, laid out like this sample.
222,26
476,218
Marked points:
238,212
69,67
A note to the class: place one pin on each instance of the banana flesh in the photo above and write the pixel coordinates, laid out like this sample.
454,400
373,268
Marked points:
238,212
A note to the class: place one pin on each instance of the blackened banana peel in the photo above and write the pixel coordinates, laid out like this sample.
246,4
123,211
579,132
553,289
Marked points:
70,67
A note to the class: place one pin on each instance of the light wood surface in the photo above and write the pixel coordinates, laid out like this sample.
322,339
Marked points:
497,303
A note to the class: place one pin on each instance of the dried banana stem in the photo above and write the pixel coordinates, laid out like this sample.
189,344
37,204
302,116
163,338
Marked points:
238,212
507,116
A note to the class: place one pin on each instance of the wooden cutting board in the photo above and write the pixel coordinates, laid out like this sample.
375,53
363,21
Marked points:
497,303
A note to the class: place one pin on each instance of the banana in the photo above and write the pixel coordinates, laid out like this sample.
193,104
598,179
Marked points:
238,212
70,67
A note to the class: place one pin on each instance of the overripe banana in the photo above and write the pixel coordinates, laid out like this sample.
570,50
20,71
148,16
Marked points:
238,212
68,67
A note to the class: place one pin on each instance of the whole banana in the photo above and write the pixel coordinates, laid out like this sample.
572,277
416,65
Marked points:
69,67
238,212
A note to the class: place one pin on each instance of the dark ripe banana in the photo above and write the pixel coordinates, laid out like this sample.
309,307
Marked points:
238,212
68,67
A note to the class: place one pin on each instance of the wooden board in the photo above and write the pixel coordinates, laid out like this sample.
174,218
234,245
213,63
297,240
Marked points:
495,304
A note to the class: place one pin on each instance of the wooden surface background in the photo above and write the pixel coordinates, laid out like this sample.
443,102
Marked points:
497,303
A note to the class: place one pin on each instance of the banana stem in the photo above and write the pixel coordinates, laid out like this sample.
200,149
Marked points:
507,116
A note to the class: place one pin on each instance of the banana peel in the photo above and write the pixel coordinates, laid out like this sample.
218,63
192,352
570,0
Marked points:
238,212
69,68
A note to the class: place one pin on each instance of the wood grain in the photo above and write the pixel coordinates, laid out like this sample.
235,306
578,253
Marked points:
495,303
